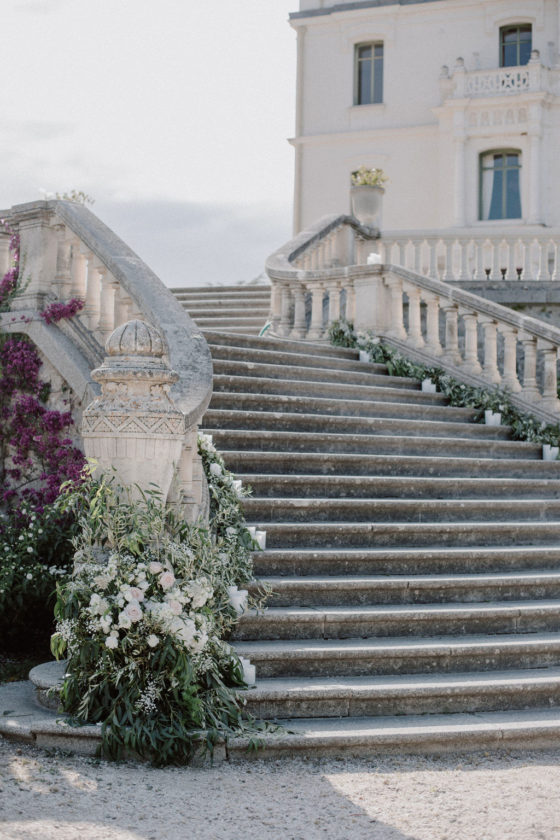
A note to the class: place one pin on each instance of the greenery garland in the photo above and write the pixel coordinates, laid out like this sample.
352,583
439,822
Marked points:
523,426
144,619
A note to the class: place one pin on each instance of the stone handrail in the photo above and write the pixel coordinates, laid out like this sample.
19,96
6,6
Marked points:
67,252
475,339
480,253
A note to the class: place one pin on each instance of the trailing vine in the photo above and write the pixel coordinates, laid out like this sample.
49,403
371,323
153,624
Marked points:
524,426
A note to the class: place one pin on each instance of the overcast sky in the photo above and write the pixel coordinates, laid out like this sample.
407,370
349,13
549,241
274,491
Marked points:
173,115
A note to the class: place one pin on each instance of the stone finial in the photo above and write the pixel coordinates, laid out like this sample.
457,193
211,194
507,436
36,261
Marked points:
134,427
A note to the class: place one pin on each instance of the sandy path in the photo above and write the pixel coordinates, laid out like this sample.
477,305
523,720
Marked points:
476,797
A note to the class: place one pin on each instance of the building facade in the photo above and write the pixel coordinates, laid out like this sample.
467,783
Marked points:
458,101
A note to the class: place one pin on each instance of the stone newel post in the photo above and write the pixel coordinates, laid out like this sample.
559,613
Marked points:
133,426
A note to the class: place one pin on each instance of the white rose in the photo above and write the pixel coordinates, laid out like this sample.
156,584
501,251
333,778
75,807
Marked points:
111,642
153,640
124,621
166,580
198,644
215,469
134,611
155,568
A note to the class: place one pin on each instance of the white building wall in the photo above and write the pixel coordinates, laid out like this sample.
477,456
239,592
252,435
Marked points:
425,135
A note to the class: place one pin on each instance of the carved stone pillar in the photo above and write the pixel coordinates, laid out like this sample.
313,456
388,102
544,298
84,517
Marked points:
133,427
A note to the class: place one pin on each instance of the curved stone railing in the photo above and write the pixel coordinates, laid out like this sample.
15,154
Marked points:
312,265
67,252
475,339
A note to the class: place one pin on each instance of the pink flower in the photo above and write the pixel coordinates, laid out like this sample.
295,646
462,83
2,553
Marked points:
167,580
134,611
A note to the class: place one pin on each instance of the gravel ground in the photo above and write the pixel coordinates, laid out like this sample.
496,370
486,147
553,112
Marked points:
475,797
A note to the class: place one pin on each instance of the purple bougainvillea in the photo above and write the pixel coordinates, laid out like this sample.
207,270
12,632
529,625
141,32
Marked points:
36,454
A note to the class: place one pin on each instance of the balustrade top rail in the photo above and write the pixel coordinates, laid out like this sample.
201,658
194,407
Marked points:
128,277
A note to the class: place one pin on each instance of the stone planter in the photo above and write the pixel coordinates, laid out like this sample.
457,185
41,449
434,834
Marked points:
367,202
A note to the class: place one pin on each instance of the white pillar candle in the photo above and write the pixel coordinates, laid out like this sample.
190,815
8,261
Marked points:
249,671
549,452
237,485
374,259
428,386
252,530
364,356
260,537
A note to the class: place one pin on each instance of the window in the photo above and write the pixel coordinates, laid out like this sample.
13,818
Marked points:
500,196
515,45
368,75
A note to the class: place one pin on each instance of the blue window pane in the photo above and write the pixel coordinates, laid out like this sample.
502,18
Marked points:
497,191
364,52
525,52
513,198
364,82
378,82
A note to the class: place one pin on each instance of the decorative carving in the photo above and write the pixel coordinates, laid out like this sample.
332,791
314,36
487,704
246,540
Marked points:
134,426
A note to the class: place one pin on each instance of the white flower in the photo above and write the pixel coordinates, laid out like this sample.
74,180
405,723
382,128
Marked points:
134,611
111,642
28,575
153,640
101,581
133,593
199,643
125,621
215,469
175,607
155,568
166,580
105,623
199,591
29,550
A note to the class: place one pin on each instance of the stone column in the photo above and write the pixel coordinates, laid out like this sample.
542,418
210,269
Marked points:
471,363
530,387
133,427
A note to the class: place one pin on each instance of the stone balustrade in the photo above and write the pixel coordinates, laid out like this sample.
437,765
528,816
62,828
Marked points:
67,252
477,340
481,253
499,81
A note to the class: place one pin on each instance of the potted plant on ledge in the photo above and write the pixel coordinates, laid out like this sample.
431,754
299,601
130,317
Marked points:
366,195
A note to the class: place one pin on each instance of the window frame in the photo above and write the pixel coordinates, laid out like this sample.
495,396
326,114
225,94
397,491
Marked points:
482,169
519,27
373,59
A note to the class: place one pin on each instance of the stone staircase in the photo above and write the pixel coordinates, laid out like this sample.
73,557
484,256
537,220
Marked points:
232,309
414,556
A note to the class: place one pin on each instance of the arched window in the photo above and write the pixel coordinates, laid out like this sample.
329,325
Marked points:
516,43
500,195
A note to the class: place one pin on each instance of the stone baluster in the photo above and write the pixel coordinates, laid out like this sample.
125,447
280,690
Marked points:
123,307
449,274
4,255
550,399
511,273
306,260
471,362
62,278
555,268
415,337
275,306
402,252
396,324
542,273
350,313
509,379
496,274
285,326
530,387
78,270
328,250
433,259
464,251
300,326
314,257
491,372
333,288
316,328
432,324
417,250
451,351
92,308
107,310
479,273
527,273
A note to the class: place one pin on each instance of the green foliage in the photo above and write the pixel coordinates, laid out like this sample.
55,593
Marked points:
145,616
524,426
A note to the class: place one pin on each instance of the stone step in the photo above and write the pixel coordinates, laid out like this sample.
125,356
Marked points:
235,290
226,322
292,359
289,373
405,655
394,620
407,534
255,400
241,332
303,442
218,303
404,561
315,424
282,345
267,486
404,694
356,590
411,734
332,389
319,463
320,510
231,314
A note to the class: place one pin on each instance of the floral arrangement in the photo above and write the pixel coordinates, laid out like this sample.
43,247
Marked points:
366,177
145,617
524,426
